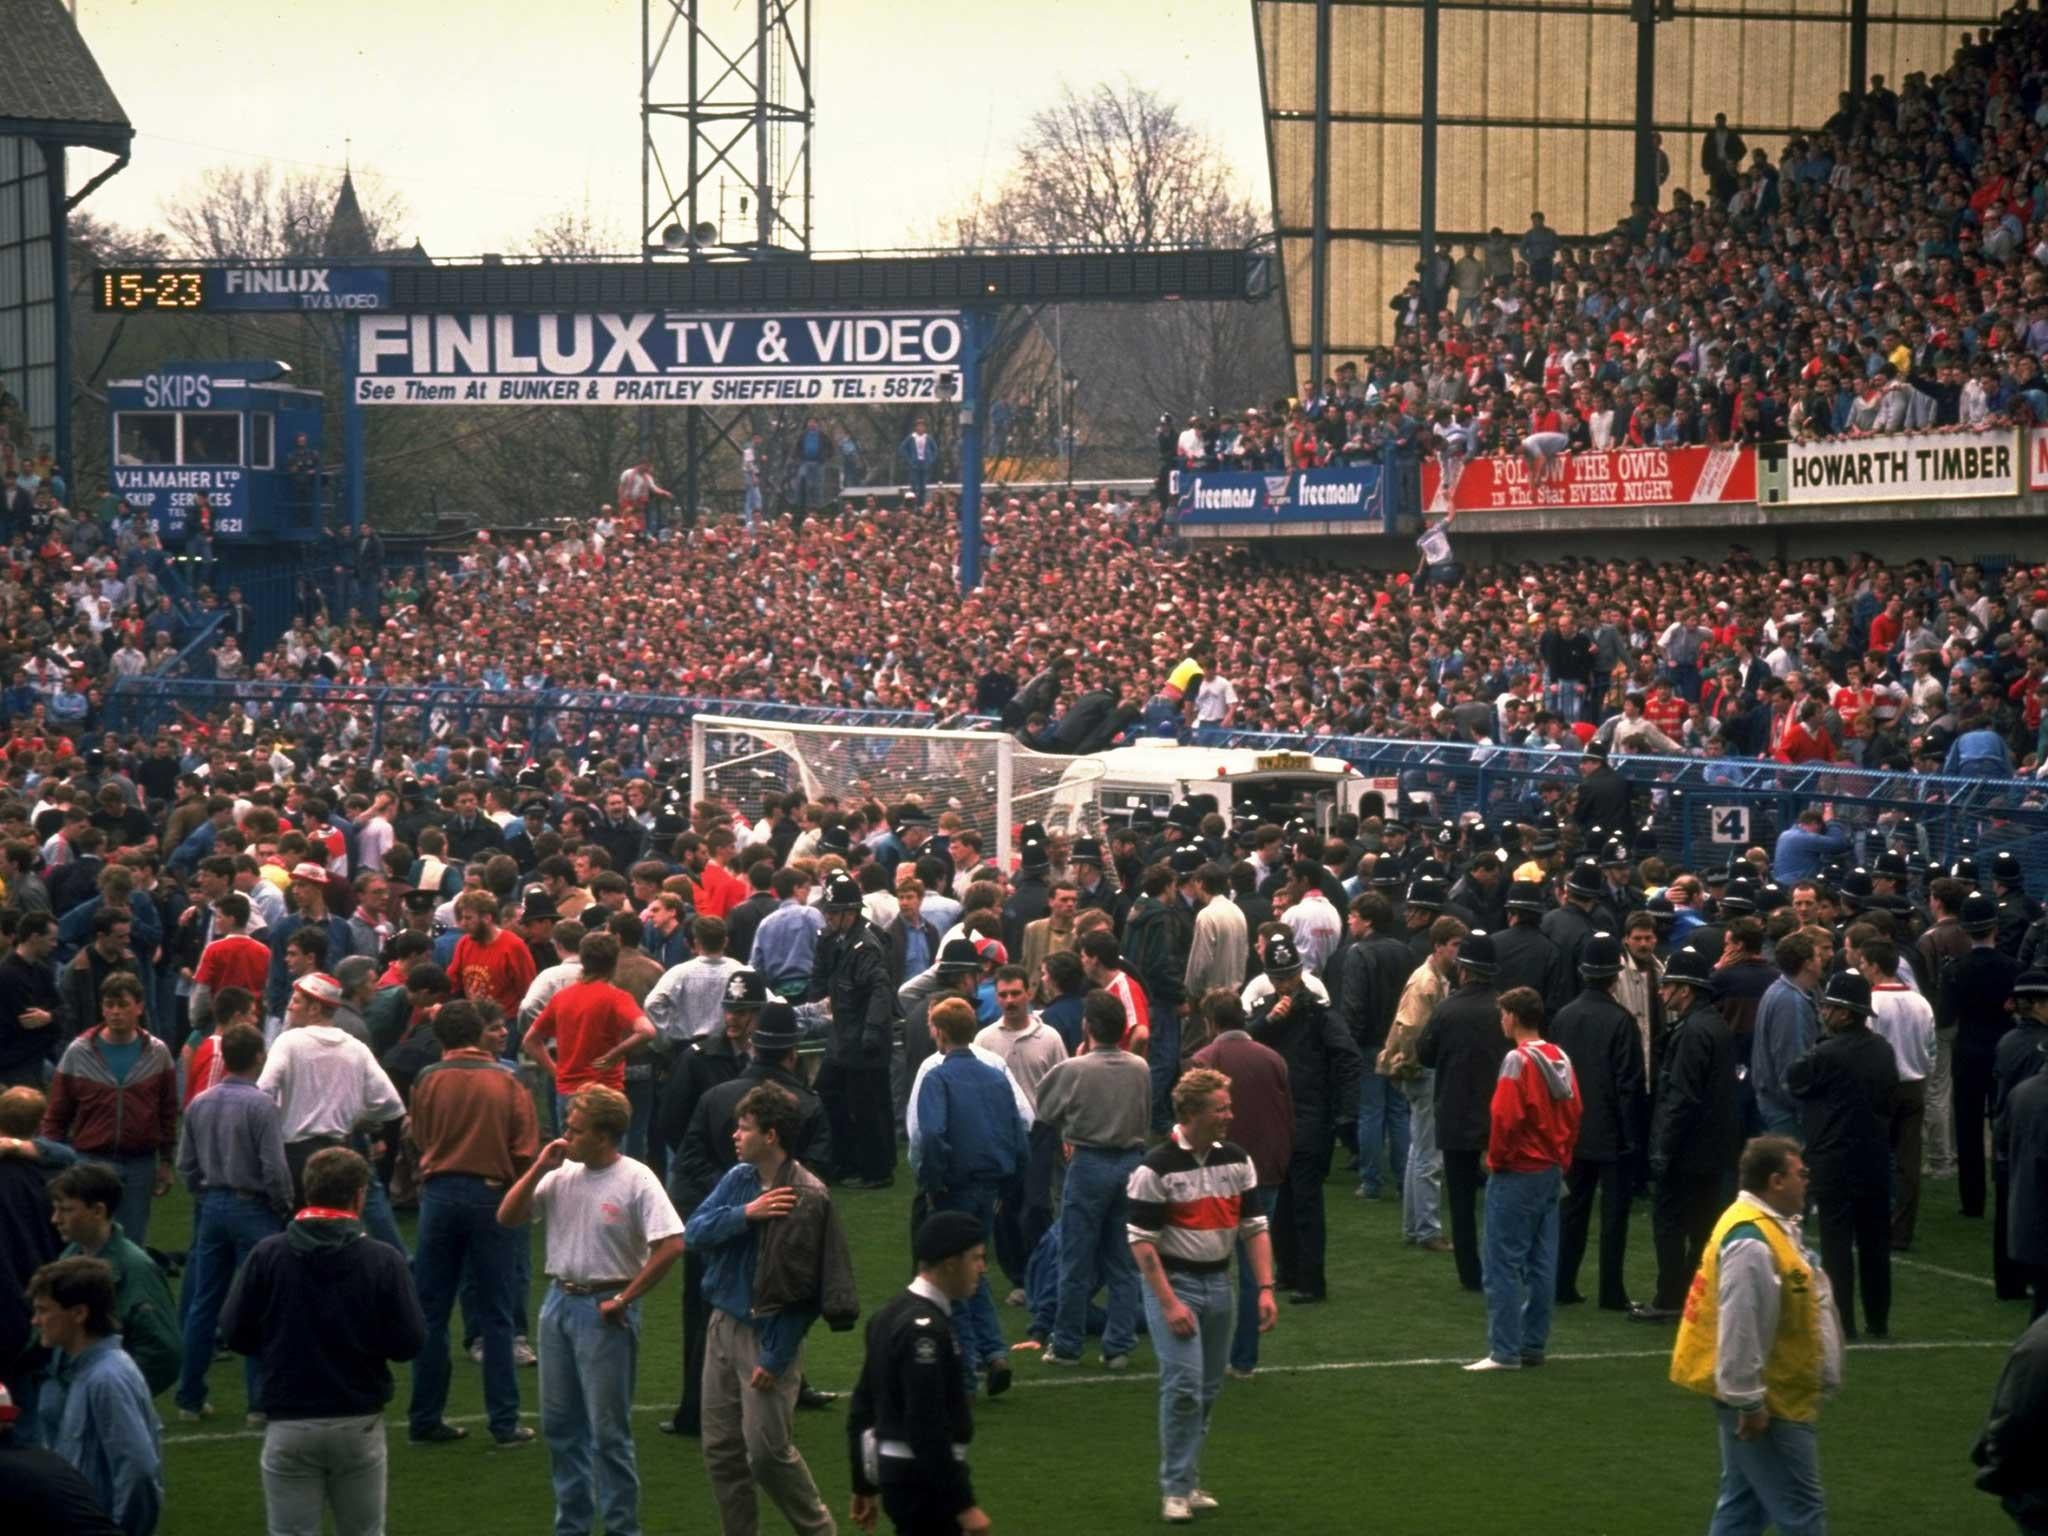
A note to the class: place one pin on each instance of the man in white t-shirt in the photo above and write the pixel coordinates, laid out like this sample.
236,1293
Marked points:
1215,701
611,1235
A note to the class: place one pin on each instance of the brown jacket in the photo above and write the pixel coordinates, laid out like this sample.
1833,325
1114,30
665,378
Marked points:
805,1259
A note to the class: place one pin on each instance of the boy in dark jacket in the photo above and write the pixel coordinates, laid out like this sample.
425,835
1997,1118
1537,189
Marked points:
327,1309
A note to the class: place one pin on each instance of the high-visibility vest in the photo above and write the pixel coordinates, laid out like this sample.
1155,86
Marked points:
1792,1368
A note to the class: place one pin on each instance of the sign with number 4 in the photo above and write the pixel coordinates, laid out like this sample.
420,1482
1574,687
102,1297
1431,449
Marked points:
1729,825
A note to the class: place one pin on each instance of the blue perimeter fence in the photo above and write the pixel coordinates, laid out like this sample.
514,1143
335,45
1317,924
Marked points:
1700,811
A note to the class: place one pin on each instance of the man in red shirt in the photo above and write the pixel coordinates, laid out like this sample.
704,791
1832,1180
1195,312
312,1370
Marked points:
232,959
1665,710
595,1022
1535,1126
489,962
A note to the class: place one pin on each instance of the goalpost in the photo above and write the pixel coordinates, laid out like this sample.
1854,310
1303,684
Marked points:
991,781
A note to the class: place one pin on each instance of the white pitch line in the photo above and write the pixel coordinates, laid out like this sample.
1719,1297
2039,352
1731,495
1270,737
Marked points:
397,1426
1953,1274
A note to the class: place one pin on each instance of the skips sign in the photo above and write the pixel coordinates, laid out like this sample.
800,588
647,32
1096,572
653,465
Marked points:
657,359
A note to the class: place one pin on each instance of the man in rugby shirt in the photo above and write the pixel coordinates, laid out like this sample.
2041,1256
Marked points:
1186,1211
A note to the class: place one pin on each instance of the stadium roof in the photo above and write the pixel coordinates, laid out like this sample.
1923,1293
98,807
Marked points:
52,88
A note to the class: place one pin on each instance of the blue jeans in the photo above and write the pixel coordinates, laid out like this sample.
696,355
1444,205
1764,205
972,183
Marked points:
587,1372
1093,1240
225,1226
1382,1120
460,1239
1421,1189
975,1321
1190,1374
1163,1061
1520,1258
1772,1481
138,1189
1244,1337
378,1218
522,1282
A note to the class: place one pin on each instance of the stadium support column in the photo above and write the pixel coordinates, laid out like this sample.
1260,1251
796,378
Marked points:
351,426
1646,189
1859,47
1427,202
1319,241
977,329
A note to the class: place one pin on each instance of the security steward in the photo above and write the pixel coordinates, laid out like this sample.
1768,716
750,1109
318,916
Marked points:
1323,1067
850,978
911,1421
1695,1130
1606,1050
701,1066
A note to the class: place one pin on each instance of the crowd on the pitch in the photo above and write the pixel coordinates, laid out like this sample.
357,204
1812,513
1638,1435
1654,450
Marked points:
315,991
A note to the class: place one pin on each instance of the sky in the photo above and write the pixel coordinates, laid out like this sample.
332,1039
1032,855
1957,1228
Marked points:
491,119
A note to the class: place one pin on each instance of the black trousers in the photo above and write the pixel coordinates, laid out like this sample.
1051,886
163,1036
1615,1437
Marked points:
1461,1195
1683,1210
2008,1278
1024,1209
696,1323
299,1153
857,1106
1973,1087
1855,1220
1608,1180
914,1512
1297,1225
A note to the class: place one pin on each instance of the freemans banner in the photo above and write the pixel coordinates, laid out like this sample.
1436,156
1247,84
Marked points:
1349,494
1614,477
1909,466
656,359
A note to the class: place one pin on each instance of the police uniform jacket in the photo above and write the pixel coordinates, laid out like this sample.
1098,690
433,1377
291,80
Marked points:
1847,1083
1524,957
1977,987
1569,928
912,1397
1606,1050
1463,1045
1696,1127
1323,1061
851,969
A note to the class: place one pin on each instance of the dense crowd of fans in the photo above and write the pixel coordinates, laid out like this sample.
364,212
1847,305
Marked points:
1888,272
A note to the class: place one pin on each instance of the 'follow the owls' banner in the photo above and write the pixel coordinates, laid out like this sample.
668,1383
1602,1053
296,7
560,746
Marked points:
657,359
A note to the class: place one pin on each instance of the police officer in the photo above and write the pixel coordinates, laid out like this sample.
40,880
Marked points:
1695,1130
1570,925
1605,1046
1847,1082
1976,987
1527,957
2022,1053
850,974
1463,1045
2017,911
911,1420
1323,1066
1031,895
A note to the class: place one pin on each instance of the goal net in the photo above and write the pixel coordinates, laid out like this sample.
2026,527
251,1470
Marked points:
993,783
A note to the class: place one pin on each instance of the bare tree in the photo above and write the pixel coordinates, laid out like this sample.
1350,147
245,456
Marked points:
1119,167
253,213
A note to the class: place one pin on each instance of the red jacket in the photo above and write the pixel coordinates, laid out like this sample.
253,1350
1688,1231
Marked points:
97,1116
1535,1111
1261,1102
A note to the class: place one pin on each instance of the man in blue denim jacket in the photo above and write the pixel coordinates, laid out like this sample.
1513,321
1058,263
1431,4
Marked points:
94,1409
753,1364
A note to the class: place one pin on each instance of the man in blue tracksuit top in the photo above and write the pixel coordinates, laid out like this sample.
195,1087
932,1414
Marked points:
1805,848
970,1139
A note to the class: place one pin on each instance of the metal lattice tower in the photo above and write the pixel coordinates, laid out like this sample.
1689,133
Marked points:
725,127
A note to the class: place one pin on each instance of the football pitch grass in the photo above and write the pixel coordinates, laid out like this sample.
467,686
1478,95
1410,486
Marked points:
1359,1418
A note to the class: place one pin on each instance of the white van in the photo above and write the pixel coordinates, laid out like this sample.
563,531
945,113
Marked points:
1106,787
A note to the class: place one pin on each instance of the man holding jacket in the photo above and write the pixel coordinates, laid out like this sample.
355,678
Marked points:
753,1358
